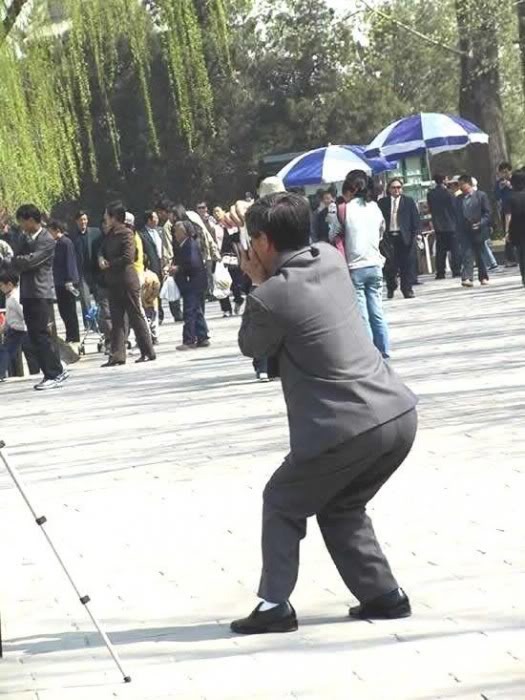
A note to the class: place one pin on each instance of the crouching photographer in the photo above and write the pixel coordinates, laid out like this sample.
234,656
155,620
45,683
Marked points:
352,421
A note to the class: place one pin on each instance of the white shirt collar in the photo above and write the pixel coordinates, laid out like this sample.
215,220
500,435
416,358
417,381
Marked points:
35,235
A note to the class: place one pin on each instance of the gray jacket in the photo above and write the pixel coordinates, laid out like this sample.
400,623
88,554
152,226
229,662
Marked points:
35,265
336,384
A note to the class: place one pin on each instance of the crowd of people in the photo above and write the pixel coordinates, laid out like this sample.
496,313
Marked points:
121,273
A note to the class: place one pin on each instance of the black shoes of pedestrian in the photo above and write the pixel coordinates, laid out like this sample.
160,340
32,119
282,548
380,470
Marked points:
389,606
409,295
113,363
205,343
390,295
279,619
145,358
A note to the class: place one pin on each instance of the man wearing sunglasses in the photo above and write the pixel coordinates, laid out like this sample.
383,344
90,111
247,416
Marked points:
403,226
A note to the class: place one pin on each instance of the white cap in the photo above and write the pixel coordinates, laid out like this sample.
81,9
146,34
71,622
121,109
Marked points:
271,185
130,219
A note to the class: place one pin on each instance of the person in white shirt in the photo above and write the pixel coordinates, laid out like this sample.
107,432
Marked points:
364,227
13,328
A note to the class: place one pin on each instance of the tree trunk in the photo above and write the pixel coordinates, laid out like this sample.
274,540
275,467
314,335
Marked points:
480,98
520,9
12,14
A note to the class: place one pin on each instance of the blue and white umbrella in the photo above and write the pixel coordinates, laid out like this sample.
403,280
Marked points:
330,164
427,131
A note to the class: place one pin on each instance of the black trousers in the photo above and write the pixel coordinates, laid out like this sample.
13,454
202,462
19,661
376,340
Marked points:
447,242
520,252
67,308
38,315
473,247
335,487
400,263
126,302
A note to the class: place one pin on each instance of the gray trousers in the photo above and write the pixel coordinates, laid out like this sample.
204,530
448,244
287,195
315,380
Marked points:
335,487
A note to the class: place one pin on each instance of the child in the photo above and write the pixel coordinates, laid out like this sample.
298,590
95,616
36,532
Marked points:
150,302
13,328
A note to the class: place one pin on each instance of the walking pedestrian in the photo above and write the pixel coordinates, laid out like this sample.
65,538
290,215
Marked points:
34,263
517,218
503,195
66,277
85,239
403,225
352,421
443,209
363,226
474,222
191,279
117,259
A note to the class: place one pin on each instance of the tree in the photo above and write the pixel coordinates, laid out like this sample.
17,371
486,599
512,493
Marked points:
480,92
54,78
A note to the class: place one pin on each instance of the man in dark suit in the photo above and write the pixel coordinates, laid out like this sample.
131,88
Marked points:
352,420
444,212
152,244
86,241
474,226
402,228
37,293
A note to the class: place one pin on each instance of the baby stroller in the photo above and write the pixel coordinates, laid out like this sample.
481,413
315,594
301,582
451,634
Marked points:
92,328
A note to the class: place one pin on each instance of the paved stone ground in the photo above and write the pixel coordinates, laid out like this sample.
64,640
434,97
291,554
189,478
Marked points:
151,479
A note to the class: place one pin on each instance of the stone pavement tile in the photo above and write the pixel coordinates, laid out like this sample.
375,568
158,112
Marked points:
153,492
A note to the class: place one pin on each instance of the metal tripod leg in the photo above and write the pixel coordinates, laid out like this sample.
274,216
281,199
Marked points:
84,599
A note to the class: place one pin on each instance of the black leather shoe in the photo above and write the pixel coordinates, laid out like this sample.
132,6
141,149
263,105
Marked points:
386,607
279,619
409,295
145,358
113,363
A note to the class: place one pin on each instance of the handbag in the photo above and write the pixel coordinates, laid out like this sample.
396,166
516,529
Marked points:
170,291
386,248
222,282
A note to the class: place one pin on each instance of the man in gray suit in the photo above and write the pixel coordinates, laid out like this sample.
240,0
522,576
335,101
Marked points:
34,263
352,421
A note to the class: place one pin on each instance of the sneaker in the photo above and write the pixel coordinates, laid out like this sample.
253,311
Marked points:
467,283
263,377
65,374
49,384
238,306
227,314
484,283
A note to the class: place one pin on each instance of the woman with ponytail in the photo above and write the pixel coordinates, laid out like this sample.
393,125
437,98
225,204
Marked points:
362,225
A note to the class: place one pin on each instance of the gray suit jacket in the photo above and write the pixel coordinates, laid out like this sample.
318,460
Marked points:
336,384
35,265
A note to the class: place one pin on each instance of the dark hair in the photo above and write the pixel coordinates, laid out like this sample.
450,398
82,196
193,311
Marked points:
202,205
8,277
518,180
188,227
504,165
179,210
395,179
284,217
164,205
439,178
323,193
117,211
57,225
28,211
148,215
80,213
465,178
359,184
